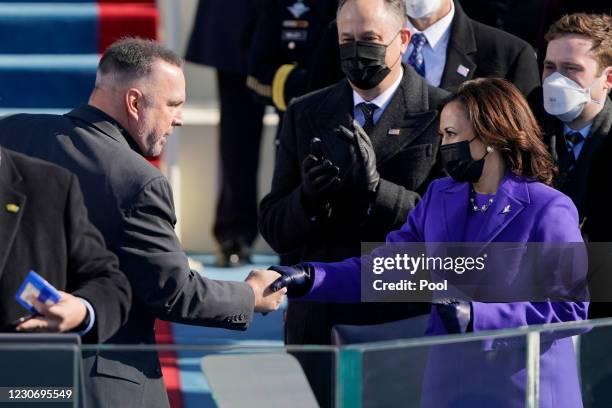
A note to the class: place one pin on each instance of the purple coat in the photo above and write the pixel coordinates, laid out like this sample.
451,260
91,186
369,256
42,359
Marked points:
489,373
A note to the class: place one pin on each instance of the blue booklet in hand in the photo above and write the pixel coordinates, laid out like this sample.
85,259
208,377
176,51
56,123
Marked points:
34,286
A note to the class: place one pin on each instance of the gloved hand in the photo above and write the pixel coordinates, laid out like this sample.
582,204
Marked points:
363,172
319,178
456,315
297,279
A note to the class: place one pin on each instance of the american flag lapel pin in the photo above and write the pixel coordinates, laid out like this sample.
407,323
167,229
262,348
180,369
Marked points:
394,132
463,70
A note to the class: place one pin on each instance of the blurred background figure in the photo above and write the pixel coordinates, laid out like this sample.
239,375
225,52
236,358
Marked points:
220,38
284,43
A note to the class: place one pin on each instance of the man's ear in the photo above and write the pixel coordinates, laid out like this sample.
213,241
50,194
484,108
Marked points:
608,78
134,101
405,36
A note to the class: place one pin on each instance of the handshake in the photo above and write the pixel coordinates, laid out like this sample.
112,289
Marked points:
270,286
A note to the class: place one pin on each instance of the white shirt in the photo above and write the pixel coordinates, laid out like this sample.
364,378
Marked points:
584,131
434,50
382,101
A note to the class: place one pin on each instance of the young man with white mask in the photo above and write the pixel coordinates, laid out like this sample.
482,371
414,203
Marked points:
577,78
447,48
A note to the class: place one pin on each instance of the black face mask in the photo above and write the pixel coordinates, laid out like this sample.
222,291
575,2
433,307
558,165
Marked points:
363,63
458,162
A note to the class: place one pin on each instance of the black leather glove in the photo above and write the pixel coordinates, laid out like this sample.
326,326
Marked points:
363,170
319,178
456,315
297,279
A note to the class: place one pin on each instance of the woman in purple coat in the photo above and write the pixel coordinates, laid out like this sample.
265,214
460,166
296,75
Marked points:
498,191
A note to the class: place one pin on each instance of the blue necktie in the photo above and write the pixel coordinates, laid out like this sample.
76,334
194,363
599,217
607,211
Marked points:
416,59
573,139
368,110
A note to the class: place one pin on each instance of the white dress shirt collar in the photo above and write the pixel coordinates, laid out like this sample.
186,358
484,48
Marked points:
584,131
438,31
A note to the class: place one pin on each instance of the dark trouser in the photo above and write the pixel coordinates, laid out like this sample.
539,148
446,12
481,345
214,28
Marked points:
240,136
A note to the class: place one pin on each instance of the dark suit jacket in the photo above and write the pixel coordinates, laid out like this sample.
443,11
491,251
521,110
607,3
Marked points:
585,181
484,50
51,234
598,223
221,34
130,201
575,177
406,163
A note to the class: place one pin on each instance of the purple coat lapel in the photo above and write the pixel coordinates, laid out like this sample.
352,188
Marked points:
510,201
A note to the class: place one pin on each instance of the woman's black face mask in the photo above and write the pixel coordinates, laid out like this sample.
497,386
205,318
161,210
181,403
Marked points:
458,162
363,62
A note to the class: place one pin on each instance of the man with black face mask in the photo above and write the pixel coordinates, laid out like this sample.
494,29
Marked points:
353,160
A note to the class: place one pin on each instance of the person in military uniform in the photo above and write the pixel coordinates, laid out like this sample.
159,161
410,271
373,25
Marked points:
220,39
286,36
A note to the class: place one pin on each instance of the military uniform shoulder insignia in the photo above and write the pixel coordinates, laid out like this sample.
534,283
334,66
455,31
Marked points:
298,9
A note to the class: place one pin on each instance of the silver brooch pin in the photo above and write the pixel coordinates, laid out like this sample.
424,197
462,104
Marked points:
506,209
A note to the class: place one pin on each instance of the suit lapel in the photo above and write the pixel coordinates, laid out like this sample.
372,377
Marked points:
407,114
602,125
13,202
460,65
510,200
335,110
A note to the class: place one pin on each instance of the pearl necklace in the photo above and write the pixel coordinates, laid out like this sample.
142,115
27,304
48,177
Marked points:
476,208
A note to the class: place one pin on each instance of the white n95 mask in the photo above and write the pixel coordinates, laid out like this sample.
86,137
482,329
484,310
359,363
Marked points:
421,8
565,98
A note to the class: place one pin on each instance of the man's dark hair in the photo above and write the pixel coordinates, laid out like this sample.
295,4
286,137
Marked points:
397,7
134,57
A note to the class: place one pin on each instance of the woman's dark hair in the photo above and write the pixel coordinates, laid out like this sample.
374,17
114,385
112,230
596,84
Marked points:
501,118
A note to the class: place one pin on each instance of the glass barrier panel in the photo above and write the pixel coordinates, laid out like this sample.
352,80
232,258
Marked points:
37,373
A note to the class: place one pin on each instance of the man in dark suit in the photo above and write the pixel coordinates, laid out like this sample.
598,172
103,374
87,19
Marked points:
324,200
44,227
577,114
140,90
220,39
449,48
577,120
